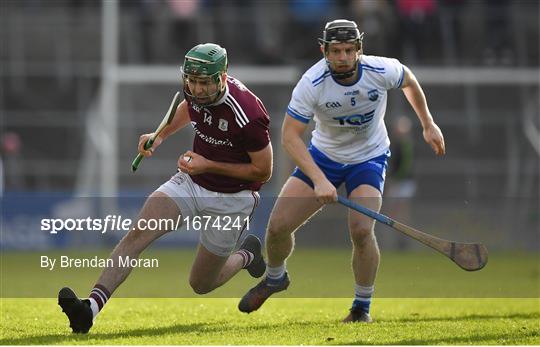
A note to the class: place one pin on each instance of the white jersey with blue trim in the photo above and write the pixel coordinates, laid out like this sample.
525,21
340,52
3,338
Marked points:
349,120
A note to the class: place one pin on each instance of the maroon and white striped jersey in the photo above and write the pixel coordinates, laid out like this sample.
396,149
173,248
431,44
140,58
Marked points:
226,131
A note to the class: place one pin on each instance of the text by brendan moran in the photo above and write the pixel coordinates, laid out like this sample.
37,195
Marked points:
67,262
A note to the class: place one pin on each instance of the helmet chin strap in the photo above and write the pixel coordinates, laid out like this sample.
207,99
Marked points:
218,94
342,75
211,99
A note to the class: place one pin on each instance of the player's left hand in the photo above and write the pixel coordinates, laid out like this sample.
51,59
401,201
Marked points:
434,137
193,163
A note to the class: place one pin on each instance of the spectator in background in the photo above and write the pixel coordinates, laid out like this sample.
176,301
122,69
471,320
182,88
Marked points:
10,150
450,11
183,27
269,25
306,20
417,18
146,11
498,31
377,19
1,177
163,29
11,171
233,25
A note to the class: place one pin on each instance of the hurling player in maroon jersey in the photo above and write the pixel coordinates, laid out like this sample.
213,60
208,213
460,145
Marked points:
217,182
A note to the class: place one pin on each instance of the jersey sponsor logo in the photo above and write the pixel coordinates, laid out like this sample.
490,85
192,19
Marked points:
356,119
209,139
373,94
223,124
213,141
332,104
352,93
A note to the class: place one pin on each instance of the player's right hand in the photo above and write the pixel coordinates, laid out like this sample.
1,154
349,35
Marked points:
142,141
325,192
434,137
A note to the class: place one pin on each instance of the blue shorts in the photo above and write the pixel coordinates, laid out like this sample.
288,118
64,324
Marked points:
371,172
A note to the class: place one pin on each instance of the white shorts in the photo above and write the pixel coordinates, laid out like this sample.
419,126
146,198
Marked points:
220,218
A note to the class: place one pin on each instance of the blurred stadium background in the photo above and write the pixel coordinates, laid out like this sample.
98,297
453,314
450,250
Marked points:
81,80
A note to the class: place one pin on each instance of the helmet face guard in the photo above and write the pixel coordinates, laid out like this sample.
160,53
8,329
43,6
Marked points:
209,91
341,31
204,66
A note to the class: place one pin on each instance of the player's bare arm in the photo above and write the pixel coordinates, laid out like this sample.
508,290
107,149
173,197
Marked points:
181,119
291,139
259,170
416,97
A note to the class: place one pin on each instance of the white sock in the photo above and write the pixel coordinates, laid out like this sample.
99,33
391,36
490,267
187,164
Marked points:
94,307
275,273
362,293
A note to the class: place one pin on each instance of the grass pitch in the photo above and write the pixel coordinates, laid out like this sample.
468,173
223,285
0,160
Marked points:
420,299
279,321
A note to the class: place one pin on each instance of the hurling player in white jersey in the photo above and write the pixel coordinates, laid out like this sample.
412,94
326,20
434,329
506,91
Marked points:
345,94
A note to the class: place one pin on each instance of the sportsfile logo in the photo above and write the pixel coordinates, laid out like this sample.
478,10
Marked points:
109,223
118,223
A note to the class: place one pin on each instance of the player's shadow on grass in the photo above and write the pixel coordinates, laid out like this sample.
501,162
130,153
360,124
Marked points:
451,340
532,315
204,327
96,337
495,339
143,332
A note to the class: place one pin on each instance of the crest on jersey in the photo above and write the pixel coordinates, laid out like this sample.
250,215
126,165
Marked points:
223,125
373,94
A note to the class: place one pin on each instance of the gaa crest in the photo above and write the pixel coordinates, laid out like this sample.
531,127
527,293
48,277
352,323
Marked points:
223,125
